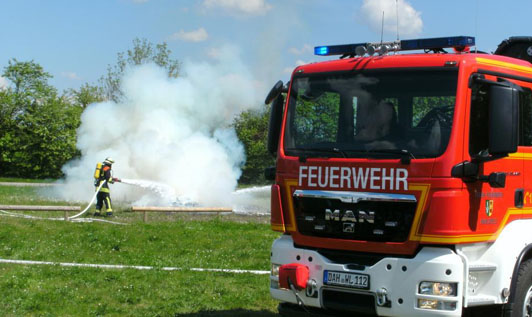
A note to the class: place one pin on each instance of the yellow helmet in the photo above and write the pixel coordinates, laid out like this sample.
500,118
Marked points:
108,161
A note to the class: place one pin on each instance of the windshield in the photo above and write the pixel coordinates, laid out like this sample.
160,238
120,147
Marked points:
378,114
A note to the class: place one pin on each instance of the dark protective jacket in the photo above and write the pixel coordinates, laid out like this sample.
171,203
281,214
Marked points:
106,174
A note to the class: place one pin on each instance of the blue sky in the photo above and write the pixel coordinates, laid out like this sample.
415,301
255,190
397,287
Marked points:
76,40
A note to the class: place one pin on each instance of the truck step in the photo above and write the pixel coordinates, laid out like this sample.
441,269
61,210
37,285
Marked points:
482,267
480,300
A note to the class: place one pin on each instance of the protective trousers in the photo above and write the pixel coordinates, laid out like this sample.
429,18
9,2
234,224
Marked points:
102,198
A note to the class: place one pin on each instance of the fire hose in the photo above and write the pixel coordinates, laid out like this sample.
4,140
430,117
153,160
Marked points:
90,204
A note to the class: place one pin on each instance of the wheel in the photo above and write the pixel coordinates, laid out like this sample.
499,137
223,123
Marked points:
523,291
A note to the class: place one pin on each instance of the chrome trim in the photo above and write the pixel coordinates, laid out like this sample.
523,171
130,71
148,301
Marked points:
354,197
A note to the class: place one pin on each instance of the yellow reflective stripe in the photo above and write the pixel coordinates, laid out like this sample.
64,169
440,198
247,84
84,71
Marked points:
105,190
491,62
109,204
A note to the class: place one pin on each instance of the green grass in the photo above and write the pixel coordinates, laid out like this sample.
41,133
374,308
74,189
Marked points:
206,241
25,195
61,291
25,180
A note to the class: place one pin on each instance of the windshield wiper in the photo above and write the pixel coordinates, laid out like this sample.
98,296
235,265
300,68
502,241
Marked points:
304,151
406,156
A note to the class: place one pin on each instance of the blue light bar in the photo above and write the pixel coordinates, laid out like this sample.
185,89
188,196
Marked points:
321,50
459,42
336,49
437,42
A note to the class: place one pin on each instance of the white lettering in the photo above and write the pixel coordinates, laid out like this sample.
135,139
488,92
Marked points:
354,177
360,179
345,177
301,174
334,176
400,178
320,177
374,178
312,173
387,178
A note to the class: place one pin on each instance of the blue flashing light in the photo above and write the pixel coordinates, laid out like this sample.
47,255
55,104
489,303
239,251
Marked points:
404,45
321,50
336,49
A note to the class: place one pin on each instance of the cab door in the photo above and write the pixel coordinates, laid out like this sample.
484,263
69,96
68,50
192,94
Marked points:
525,147
491,207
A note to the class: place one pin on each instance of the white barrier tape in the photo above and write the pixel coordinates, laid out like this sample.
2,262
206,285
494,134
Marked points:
136,267
16,215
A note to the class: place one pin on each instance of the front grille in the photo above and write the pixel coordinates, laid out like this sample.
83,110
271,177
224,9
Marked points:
366,220
345,301
346,257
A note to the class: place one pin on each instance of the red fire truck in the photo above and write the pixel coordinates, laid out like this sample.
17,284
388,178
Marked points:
403,181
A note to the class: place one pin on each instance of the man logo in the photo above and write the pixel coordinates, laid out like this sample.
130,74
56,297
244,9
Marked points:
349,216
349,227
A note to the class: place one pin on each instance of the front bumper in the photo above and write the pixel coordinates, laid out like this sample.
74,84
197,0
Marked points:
394,282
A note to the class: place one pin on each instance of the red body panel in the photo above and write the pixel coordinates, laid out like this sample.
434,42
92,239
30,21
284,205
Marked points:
449,211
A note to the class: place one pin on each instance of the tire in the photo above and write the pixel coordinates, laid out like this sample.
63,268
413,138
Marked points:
523,291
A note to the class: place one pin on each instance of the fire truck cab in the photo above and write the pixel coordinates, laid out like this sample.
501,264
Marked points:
403,181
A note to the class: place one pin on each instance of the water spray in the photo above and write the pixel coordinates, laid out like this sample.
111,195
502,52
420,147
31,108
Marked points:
166,192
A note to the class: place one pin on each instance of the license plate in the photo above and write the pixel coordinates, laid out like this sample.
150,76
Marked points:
344,279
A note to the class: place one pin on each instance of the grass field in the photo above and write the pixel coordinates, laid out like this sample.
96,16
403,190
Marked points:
185,241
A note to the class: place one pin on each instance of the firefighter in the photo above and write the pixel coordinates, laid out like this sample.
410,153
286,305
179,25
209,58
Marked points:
103,195
378,123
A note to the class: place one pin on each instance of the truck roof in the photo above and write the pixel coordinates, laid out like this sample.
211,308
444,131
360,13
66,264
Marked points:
413,60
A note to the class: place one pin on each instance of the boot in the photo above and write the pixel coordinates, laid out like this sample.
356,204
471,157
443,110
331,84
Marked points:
109,214
97,214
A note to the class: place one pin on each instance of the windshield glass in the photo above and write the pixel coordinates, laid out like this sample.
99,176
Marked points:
371,114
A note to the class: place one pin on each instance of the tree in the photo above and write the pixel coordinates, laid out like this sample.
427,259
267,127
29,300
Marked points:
86,95
46,139
142,52
38,127
27,77
252,130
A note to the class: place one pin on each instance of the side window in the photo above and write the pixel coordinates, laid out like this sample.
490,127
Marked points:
478,126
525,117
421,106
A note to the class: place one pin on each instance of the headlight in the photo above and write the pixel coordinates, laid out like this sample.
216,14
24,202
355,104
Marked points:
435,304
437,288
274,279
275,269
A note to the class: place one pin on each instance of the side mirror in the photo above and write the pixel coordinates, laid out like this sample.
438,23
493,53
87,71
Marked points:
274,126
503,119
269,173
497,180
468,171
274,92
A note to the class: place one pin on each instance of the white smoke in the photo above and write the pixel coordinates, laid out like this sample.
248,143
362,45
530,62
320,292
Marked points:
410,22
171,131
